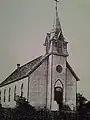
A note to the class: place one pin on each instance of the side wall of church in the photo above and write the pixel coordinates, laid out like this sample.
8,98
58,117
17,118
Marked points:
37,86
71,90
11,86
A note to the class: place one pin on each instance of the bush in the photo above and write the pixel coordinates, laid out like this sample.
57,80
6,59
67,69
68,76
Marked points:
66,107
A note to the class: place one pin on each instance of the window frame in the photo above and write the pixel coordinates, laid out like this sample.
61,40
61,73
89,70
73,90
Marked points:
9,96
15,93
22,90
0,96
4,95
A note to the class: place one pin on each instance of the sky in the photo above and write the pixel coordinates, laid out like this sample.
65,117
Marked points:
23,28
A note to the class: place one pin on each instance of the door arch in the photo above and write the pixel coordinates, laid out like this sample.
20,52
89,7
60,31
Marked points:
58,91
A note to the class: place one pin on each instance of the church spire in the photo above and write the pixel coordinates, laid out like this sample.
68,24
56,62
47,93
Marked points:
57,26
55,41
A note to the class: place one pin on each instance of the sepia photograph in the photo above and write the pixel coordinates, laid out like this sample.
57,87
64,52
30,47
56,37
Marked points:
44,60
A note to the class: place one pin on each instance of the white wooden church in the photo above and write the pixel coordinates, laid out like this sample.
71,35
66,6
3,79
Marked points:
45,81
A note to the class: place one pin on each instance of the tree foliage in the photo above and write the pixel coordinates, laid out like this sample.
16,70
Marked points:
24,111
66,107
80,101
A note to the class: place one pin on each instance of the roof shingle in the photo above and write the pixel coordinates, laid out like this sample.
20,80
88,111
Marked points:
21,72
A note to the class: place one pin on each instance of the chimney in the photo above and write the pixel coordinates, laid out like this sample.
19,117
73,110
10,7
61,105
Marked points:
18,65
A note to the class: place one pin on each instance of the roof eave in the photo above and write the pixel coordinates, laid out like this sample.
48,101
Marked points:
72,71
45,57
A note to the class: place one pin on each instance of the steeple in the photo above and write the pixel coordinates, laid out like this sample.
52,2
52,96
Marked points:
57,28
55,42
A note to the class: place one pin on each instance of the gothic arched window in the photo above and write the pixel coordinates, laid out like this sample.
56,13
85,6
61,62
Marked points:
9,94
4,95
14,93
22,90
58,91
0,96
59,83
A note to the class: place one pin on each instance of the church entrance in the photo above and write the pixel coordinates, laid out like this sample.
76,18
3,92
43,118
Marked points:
58,93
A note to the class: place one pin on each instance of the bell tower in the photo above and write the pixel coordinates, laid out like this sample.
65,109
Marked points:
56,47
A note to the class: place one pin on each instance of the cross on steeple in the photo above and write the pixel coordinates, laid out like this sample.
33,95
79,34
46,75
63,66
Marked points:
56,3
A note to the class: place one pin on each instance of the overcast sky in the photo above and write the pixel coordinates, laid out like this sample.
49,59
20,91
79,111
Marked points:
23,27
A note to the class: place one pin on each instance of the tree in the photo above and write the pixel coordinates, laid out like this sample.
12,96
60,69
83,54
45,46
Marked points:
44,114
66,107
2,113
80,101
23,110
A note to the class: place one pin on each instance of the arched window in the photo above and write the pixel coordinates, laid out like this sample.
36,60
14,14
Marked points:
58,83
0,96
9,94
15,93
58,91
22,90
4,95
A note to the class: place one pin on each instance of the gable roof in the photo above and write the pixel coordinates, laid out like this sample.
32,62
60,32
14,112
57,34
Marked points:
28,68
21,72
72,71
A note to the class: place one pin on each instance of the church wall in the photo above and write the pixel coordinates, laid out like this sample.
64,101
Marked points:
37,86
18,84
71,90
58,60
53,62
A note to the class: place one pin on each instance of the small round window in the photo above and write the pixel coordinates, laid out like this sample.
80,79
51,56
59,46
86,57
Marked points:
59,68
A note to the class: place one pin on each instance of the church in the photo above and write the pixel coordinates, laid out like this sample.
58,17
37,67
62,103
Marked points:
45,81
